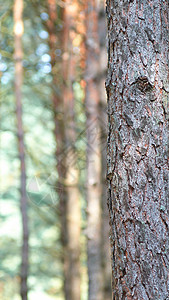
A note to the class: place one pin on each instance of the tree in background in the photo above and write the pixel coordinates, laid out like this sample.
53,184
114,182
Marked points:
101,77
59,128
138,147
73,210
65,134
54,66
18,57
93,176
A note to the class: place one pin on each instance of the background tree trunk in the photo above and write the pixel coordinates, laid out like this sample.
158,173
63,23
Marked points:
138,147
18,55
73,210
59,129
93,193
65,134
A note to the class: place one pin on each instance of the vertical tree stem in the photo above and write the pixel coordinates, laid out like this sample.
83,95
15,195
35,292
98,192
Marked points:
18,55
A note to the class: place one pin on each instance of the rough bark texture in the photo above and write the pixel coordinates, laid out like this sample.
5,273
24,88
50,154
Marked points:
93,192
138,147
18,31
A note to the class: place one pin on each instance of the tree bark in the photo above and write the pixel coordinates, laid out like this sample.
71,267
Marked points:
138,148
65,134
73,210
59,128
93,193
18,55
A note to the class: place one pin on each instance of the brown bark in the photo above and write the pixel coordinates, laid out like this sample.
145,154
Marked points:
73,217
57,101
93,193
65,133
18,54
58,114
138,147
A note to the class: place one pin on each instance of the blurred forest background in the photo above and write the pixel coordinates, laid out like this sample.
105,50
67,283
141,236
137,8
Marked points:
54,233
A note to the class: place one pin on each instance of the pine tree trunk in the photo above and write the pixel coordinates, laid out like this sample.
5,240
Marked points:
59,129
138,147
73,210
18,54
65,134
93,193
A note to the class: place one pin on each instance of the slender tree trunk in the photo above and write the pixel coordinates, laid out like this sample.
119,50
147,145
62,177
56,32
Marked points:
138,147
65,135
73,210
18,54
93,192
57,100
59,129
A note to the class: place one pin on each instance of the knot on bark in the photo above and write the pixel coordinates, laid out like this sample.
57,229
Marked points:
143,84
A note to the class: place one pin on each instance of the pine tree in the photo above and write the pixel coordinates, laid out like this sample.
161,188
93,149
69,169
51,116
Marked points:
138,148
